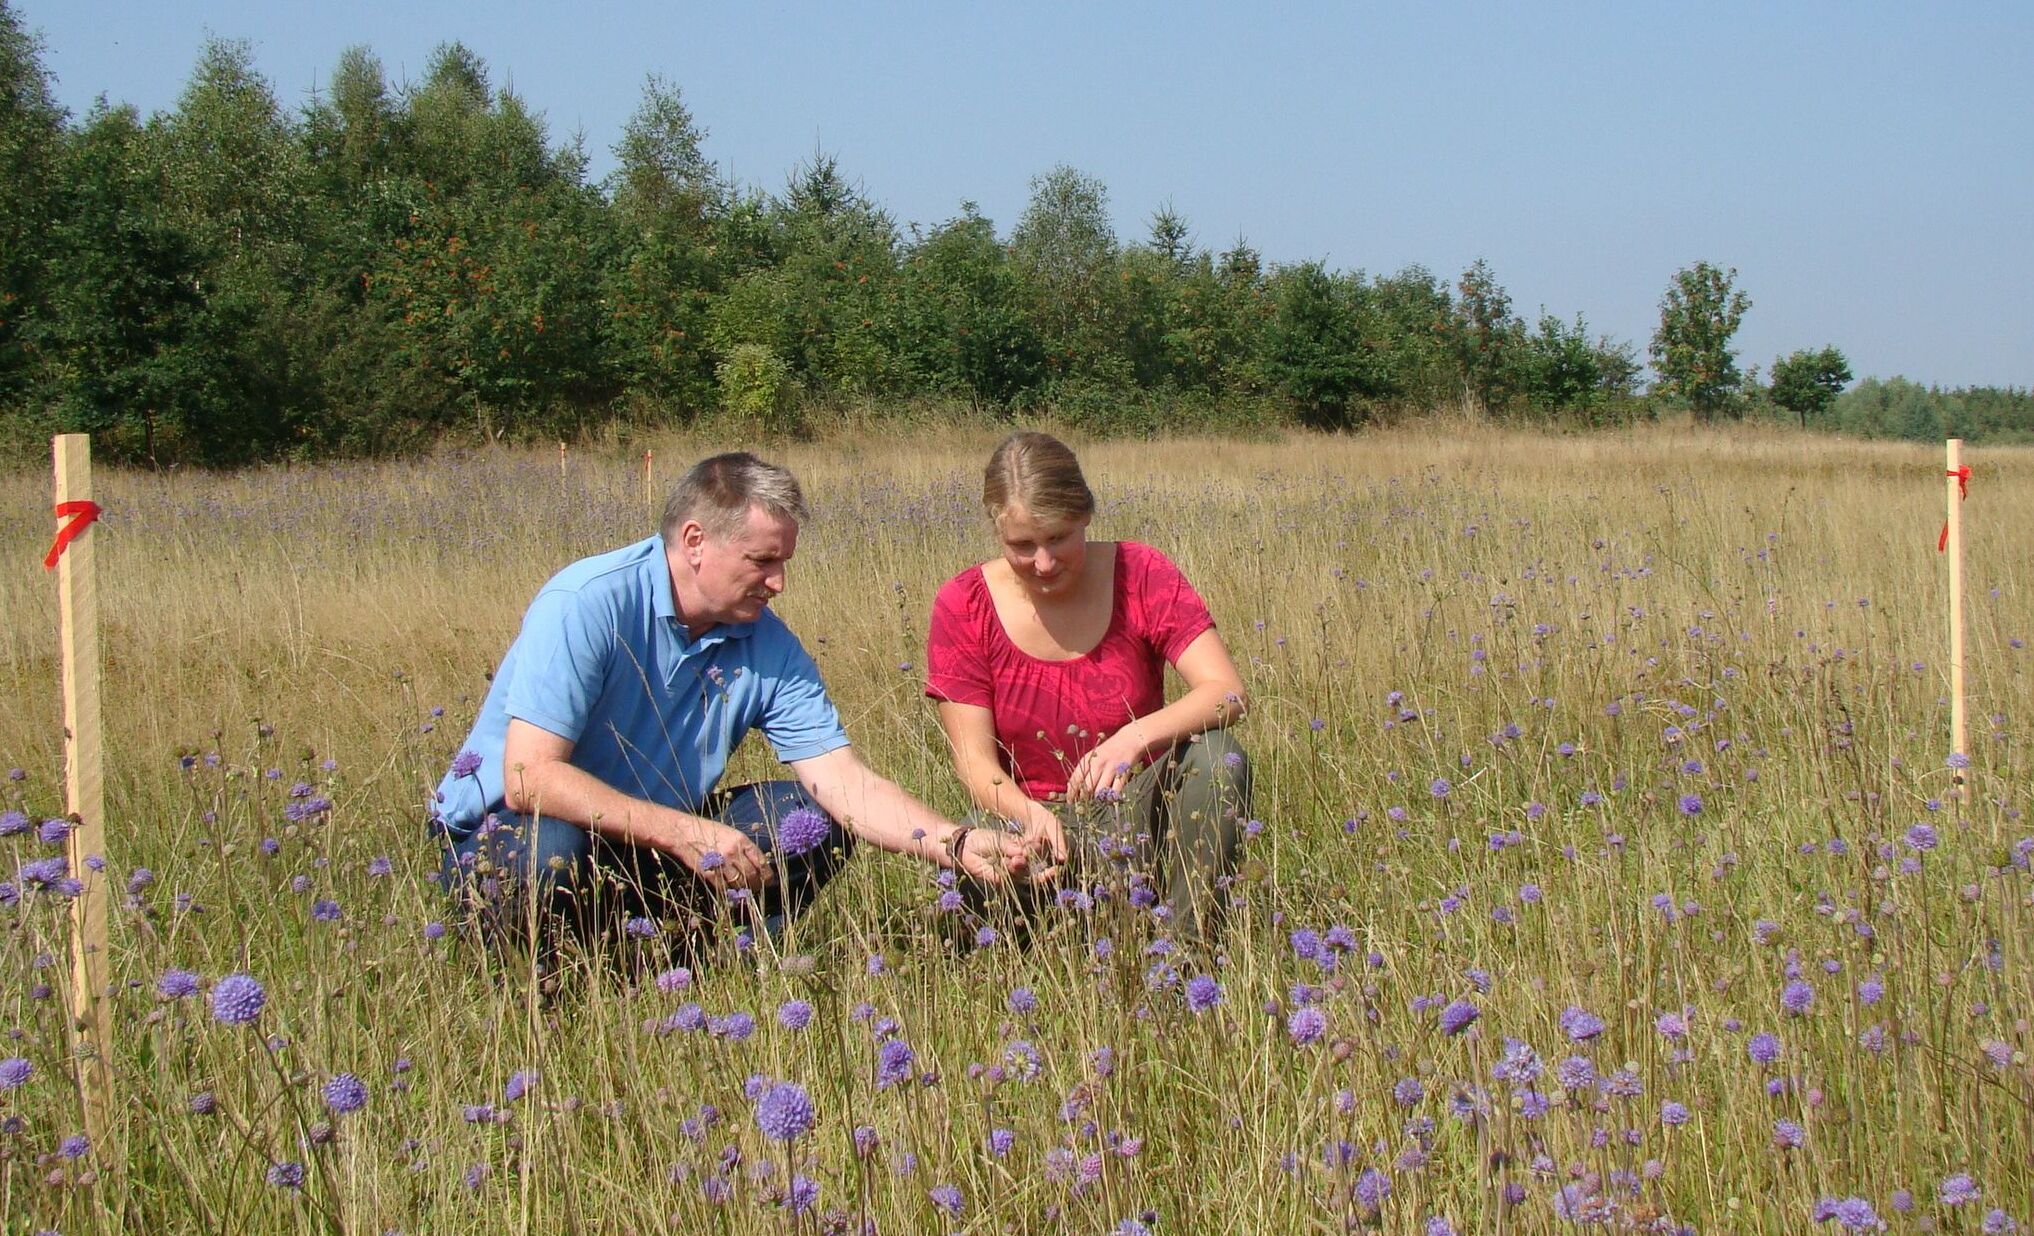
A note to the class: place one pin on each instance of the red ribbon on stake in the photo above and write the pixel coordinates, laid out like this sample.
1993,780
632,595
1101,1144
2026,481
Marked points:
83,513
1962,476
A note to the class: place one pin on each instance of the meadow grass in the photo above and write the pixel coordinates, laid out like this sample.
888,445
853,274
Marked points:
1647,726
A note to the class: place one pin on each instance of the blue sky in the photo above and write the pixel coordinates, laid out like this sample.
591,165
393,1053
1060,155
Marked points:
1867,168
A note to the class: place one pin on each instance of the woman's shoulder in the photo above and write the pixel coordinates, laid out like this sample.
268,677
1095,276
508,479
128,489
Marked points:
1136,561
965,592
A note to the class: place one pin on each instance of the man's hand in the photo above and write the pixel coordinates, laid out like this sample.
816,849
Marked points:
1044,840
1105,771
722,856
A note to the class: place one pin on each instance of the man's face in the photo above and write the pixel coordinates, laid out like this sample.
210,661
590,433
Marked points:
732,579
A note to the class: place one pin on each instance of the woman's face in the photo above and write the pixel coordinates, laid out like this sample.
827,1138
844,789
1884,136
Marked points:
1045,555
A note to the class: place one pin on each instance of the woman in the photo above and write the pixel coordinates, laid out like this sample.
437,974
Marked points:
1048,663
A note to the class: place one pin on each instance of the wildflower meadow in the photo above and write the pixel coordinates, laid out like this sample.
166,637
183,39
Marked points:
1610,866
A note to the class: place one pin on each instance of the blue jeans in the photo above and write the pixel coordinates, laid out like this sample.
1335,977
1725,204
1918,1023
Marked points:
592,885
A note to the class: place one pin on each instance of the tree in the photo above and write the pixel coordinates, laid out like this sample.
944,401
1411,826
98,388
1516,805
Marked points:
1314,351
31,128
1486,333
1806,381
1066,251
1691,350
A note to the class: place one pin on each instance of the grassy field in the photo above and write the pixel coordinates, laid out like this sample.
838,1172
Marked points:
1633,746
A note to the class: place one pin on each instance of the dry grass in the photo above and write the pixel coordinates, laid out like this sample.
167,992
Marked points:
1748,599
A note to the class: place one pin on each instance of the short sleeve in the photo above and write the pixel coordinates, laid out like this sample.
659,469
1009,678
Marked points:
562,658
1173,613
798,717
956,666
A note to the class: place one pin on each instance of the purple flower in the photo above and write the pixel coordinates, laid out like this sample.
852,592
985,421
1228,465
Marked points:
466,763
1306,1025
947,1197
53,832
801,1195
1575,1073
1022,1001
1853,1213
785,1113
1457,1017
1788,1135
1673,1114
288,1176
1796,997
176,984
345,1093
1408,1091
1372,1187
237,999
1579,1024
13,823
802,829
520,1083
1763,1048
15,1072
1921,838
1958,760
794,1014
1691,804
1203,993
1001,1141
894,1061
325,910
1440,788
1959,1190
1998,1223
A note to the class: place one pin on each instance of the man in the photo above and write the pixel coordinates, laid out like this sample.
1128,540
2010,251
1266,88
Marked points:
590,780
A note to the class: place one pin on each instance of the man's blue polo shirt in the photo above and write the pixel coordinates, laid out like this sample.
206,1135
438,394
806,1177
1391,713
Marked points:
603,660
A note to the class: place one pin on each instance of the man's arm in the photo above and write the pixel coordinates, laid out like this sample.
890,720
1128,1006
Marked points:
540,778
878,811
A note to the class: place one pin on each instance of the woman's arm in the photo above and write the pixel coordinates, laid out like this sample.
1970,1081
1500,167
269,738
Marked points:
1214,698
971,732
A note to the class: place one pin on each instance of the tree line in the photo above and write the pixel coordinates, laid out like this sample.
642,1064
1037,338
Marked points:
230,281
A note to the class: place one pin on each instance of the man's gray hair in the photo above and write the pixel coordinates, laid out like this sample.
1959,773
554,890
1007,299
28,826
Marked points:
719,491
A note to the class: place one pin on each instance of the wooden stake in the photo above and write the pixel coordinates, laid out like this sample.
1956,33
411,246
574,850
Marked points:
649,479
78,611
1953,546
561,459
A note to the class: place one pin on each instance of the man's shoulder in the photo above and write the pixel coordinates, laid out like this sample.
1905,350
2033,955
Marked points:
614,573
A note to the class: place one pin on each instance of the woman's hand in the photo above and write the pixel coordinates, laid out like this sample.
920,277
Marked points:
1104,772
995,857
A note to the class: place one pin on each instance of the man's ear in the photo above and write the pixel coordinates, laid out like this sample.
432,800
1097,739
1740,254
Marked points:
691,536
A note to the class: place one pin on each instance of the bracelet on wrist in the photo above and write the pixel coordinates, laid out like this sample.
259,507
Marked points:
956,845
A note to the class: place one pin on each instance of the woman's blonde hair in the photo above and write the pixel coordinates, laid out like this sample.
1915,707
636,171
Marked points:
1039,473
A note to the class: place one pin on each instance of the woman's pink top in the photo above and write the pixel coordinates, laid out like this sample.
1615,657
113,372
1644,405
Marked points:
1048,714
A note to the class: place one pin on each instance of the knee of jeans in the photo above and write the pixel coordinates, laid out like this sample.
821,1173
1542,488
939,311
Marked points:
1217,754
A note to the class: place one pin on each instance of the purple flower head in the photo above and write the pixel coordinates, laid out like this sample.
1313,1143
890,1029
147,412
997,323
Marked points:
520,1083
15,1072
794,1014
801,1195
1796,997
237,999
1958,760
13,823
1998,1223
1307,1025
1788,1135
947,1198
345,1094
466,763
1372,1188
1959,1190
1673,1113
287,1176
1001,1142
1921,838
1691,804
176,984
1575,1073
1440,788
1457,1017
785,1112
1579,1024
53,832
802,829
894,1061
1022,1001
1203,993
1408,1091
1763,1048
1851,1213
